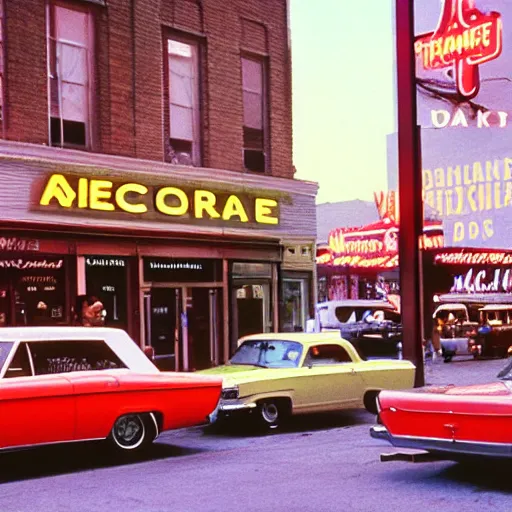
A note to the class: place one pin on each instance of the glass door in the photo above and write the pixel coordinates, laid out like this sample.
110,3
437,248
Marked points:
203,327
162,314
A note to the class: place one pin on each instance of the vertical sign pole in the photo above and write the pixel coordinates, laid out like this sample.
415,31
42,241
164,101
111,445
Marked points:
410,190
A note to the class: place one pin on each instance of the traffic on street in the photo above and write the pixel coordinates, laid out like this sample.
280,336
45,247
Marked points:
323,462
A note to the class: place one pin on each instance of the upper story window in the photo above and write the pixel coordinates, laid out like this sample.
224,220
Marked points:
2,64
70,38
253,87
184,112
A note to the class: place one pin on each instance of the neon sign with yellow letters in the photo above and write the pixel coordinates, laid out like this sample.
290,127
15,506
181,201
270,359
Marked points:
158,202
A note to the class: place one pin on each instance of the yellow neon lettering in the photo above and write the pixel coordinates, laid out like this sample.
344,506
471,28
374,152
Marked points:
58,188
83,193
204,201
99,194
232,207
263,211
164,208
124,204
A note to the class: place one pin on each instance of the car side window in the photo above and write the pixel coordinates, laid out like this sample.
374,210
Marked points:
320,355
72,356
20,364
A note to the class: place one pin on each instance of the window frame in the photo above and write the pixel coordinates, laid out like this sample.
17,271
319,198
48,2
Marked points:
31,343
3,71
308,362
261,59
90,74
198,44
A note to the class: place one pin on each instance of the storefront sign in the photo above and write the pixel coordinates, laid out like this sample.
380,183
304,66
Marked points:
482,281
15,244
98,261
463,39
481,187
182,270
484,118
183,204
474,258
21,264
381,262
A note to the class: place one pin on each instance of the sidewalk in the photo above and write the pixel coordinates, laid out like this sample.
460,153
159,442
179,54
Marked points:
463,370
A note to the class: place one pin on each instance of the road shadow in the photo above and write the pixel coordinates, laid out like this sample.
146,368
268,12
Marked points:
71,458
475,474
246,427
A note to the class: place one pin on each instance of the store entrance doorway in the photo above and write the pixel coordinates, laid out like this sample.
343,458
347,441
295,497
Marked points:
184,326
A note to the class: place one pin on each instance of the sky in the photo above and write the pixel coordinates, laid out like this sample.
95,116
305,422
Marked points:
343,106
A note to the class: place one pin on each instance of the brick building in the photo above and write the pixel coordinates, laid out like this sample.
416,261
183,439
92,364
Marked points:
146,158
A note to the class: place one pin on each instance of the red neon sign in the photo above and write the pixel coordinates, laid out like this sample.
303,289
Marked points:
464,39
474,258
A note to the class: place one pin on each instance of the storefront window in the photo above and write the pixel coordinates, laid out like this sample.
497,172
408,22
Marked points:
106,279
294,305
32,291
251,299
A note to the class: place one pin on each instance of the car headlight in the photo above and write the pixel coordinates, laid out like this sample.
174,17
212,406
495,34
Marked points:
230,393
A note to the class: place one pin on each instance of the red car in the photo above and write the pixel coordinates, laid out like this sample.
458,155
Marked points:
65,384
450,421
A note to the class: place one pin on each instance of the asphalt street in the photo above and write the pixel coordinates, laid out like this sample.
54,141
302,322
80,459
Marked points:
324,463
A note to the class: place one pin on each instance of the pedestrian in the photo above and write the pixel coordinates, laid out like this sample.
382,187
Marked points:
89,311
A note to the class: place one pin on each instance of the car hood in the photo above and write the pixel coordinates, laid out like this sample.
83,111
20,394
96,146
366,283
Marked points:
491,389
241,374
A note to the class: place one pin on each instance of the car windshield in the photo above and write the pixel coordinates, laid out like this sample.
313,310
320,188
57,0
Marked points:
506,373
268,353
5,348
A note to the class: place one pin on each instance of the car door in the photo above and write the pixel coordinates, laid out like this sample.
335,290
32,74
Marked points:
329,380
35,409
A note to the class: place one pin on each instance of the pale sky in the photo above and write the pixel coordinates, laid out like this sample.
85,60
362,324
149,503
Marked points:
343,106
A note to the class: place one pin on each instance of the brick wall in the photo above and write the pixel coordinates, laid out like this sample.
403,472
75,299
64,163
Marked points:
128,80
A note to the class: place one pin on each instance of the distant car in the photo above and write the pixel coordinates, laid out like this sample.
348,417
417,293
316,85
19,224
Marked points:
64,384
332,315
456,331
450,421
275,375
494,336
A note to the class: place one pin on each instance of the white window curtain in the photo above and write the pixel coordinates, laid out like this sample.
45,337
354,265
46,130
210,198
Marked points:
69,48
182,90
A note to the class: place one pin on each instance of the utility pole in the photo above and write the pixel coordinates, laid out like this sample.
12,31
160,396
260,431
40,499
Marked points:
410,191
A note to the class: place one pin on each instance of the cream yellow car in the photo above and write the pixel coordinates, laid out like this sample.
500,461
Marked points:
276,375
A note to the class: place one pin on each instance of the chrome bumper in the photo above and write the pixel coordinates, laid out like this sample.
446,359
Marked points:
228,407
443,446
380,432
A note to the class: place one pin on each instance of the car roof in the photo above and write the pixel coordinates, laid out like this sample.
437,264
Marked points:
496,307
306,338
357,303
55,333
451,305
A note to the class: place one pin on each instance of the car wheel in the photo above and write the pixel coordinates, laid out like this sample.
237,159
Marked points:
271,414
132,433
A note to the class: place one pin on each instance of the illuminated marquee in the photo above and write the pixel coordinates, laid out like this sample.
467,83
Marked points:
474,258
500,280
165,202
463,39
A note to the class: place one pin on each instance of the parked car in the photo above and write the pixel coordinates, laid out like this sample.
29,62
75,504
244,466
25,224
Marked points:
494,336
454,329
63,384
449,421
334,314
378,334
273,376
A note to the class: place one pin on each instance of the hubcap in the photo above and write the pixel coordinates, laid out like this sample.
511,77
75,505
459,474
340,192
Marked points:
270,413
129,431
